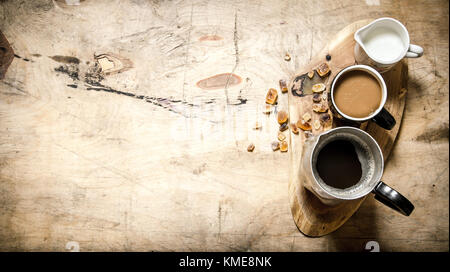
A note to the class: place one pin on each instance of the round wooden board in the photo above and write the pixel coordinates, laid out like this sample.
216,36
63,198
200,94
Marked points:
311,216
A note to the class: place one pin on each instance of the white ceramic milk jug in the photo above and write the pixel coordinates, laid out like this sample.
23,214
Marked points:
383,43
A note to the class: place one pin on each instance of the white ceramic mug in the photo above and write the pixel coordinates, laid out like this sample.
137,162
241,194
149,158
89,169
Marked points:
383,43
380,116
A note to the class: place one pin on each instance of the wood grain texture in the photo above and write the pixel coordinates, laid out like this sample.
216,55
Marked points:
312,217
148,161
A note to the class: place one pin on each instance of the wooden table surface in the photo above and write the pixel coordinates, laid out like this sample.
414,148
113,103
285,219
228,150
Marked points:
149,160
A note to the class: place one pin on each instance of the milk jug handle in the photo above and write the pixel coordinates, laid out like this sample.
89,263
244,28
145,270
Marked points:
392,199
414,51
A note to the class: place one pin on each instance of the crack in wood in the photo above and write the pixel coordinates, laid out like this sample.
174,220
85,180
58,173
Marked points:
14,87
187,51
236,54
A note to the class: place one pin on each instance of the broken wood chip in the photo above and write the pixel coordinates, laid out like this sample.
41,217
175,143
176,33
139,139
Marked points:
318,88
281,136
283,146
306,117
319,108
287,57
303,125
251,147
316,98
283,86
275,145
294,128
284,126
282,117
323,69
311,74
271,96
105,63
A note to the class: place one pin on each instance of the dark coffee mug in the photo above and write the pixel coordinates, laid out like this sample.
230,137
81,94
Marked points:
372,167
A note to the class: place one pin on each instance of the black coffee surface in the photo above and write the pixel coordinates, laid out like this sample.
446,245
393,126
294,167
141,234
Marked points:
338,165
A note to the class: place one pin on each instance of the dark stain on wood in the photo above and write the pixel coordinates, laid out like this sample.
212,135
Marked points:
65,59
219,81
435,134
297,86
241,101
71,70
93,78
210,38
22,58
94,75
164,103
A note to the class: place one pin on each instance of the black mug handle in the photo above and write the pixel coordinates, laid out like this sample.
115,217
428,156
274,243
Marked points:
384,119
392,199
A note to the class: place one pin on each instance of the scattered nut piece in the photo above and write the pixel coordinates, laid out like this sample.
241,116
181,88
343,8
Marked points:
294,128
282,117
317,124
251,147
319,108
287,57
323,69
283,86
318,88
325,118
303,125
306,117
308,134
311,74
281,136
284,126
275,145
283,146
316,98
267,110
271,96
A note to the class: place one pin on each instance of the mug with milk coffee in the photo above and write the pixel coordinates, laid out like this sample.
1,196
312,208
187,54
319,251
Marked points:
358,94
346,163
383,43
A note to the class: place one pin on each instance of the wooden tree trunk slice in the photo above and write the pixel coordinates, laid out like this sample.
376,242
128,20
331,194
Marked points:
311,216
